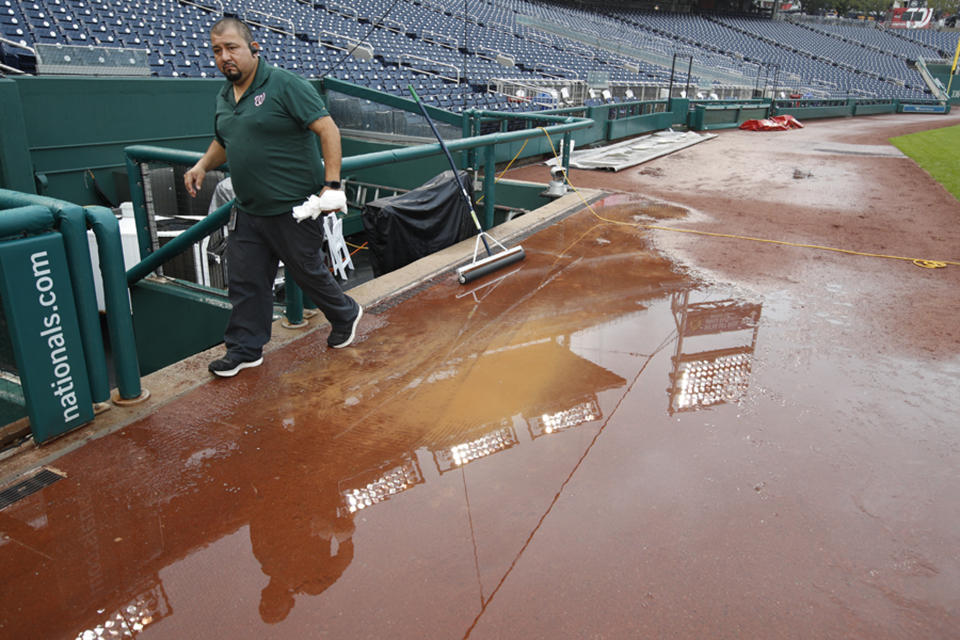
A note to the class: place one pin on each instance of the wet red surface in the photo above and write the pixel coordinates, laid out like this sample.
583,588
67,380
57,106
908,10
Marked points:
596,442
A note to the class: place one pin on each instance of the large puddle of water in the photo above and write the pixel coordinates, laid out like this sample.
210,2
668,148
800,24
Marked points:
588,444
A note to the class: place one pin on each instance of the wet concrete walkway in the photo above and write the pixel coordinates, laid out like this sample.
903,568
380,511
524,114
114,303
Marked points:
600,441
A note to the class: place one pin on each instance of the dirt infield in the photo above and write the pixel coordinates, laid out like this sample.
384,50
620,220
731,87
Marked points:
853,397
836,182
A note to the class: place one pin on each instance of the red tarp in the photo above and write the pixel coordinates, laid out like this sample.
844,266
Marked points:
775,123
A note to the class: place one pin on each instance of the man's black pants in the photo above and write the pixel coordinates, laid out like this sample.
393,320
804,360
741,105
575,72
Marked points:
254,248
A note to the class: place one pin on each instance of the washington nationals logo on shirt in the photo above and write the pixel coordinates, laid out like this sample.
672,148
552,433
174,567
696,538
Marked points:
258,99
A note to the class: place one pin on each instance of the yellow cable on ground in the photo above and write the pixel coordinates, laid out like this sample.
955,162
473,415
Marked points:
920,262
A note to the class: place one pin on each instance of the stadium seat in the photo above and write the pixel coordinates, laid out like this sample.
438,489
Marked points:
426,37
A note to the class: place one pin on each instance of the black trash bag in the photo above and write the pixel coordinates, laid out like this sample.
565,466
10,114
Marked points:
408,226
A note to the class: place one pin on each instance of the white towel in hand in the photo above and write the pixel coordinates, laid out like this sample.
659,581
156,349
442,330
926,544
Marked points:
314,206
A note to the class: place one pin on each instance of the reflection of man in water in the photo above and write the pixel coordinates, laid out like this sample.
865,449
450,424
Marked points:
300,542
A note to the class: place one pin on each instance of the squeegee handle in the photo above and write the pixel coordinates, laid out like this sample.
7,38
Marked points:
433,127
453,165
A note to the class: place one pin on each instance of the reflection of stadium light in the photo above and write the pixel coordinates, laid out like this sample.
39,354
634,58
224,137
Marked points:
707,382
458,455
129,621
586,411
386,486
115,627
483,446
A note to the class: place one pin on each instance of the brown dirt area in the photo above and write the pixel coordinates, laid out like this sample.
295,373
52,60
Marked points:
837,183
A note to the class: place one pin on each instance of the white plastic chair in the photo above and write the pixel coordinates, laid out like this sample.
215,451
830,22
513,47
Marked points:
336,245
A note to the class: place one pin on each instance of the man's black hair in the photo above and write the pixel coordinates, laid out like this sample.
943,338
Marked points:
240,26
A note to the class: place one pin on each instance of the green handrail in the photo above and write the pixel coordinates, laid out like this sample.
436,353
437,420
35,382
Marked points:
146,153
73,222
73,229
528,115
27,219
204,227
116,300
141,220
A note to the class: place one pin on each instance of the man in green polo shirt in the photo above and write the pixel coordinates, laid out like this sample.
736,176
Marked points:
265,122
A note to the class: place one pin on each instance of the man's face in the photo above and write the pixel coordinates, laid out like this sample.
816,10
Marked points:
233,55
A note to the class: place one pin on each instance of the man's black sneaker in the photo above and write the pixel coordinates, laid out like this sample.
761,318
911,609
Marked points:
229,366
342,335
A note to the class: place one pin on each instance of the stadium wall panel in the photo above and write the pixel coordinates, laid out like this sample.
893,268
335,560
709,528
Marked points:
76,125
728,116
843,109
875,109
633,125
190,321
15,162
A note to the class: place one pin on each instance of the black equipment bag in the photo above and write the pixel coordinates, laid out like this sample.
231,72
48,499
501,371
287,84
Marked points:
408,226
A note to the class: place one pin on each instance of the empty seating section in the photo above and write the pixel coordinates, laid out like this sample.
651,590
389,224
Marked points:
455,60
812,54
943,43
810,59
889,40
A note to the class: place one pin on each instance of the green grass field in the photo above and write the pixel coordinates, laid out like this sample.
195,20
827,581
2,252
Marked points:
938,152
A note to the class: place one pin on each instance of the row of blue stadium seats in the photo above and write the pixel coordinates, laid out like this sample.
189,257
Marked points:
176,33
99,33
118,20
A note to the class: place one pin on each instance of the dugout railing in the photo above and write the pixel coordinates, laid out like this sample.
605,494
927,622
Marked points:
59,358
151,257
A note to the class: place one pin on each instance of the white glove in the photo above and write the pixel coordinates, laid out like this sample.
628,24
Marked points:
315,206
309,209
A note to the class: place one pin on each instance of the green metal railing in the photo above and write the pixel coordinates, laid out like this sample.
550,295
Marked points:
474,118
72,222
562,127
149,153
25,220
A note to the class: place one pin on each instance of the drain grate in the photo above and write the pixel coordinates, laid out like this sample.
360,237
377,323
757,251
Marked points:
24,488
